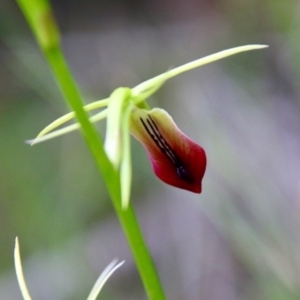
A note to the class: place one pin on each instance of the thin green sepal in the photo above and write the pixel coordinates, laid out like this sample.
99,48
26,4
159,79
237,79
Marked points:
144,86
113,142
71,115
42,138
125,168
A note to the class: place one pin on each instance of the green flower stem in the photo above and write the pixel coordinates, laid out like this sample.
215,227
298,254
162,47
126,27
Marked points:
111,177
35,11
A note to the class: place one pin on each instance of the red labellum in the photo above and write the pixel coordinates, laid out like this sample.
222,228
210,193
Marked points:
175,158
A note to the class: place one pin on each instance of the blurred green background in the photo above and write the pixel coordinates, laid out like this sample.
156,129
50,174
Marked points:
239,239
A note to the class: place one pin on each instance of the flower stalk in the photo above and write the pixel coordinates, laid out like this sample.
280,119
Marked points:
34,10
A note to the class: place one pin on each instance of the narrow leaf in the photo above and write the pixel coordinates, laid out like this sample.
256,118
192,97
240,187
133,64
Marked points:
19,272
108,271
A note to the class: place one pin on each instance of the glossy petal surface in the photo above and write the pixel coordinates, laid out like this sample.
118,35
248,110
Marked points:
176,159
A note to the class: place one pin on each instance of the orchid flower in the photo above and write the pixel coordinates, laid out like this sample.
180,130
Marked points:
175,158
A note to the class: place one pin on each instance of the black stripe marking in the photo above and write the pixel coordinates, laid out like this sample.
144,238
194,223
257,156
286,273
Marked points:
165,148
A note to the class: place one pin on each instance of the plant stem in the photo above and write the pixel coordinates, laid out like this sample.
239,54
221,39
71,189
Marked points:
127,217
50,46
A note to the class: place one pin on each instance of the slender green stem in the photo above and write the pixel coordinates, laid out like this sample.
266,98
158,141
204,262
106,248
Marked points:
65,81
127,217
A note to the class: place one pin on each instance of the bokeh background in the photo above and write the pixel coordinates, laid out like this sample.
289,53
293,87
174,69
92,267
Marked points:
239,239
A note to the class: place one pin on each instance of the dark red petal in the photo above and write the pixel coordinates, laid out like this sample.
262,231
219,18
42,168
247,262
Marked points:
176,159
